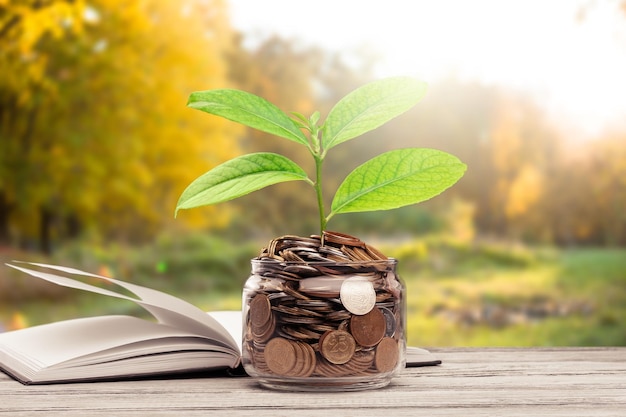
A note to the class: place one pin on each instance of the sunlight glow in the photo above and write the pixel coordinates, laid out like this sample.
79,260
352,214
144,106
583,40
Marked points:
571,54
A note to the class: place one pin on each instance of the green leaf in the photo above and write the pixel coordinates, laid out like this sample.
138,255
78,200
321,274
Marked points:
238,177
369,107
396,179
247,109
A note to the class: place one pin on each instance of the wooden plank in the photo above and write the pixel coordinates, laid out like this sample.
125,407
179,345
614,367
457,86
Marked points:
470,382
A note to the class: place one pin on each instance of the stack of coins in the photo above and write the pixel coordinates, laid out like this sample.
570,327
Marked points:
322,306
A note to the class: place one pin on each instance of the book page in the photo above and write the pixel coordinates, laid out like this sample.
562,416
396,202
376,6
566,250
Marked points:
166,308
55,343
231,321
106,346
420,357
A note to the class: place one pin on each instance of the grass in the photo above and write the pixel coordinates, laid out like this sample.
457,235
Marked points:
457,294
571,298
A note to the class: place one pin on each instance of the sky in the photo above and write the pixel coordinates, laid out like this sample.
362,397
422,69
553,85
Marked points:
571,54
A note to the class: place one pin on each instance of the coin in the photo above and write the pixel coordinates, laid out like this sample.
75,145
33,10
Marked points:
337,346
302,270
321,327
338,315
358,364
260,310
310,360
282,274
315,305
387,355
296,294
301,320
356,253
290,256
296,311
368,329
357,295
390,321
305,362
280,356
322,286
314,257
341,239
263,333
301,359
375,253
300,333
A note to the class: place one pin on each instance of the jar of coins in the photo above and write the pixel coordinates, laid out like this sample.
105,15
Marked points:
323,313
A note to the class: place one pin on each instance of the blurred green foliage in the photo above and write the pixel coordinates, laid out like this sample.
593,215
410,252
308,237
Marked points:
458,293
494,295
193,262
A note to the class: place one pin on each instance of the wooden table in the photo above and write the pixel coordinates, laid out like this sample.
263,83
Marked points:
470,382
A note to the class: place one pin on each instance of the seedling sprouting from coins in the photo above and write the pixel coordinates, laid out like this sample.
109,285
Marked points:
390,180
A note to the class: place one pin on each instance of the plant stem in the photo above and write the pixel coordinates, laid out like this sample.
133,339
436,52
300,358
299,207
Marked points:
318,190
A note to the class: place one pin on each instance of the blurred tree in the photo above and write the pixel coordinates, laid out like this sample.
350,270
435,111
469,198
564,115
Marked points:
22,79
97,136
523,156
588,194
569,211
607,169
522,203
511,150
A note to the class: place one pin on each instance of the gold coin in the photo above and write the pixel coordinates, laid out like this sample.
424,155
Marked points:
337,346
368,329
387,355
280,356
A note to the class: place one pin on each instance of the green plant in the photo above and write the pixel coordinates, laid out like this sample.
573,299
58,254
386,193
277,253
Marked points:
390,180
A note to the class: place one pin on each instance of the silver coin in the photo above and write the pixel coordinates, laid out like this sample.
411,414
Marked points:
390,321
357,295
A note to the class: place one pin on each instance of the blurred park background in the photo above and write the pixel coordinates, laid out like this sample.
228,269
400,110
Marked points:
96,145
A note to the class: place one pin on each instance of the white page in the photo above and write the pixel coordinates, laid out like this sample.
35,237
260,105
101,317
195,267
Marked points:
51,344
420,357
106,346
166,308
231,321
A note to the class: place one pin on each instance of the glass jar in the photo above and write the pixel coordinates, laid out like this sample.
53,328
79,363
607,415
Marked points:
324,326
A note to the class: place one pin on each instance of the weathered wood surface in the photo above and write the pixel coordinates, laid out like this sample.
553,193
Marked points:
470,382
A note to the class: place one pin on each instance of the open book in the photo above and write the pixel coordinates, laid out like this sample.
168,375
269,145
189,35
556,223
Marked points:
183,338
